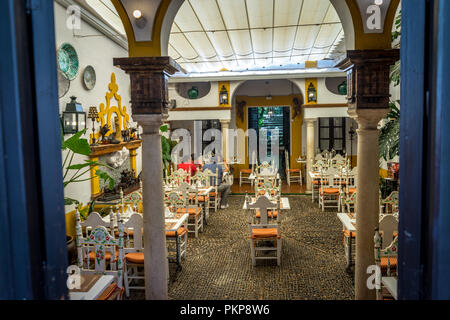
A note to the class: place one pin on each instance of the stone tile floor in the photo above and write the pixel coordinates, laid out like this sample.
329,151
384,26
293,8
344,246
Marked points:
218,264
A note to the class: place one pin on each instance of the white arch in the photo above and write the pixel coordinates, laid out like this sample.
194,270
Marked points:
347,22
169,17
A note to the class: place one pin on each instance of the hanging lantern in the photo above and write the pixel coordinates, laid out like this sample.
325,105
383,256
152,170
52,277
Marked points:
312,93
193,93
74,118
223,96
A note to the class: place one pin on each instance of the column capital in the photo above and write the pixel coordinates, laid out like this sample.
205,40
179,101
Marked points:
225,122
150,123
368,81
149,82
310,120
368,119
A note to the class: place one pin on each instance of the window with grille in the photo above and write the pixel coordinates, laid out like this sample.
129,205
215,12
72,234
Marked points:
332,134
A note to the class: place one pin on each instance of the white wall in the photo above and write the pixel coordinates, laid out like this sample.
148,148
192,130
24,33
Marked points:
98,52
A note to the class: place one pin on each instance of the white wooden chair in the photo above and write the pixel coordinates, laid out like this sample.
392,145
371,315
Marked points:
244,174
200,179
214,196
330,189
177,177
134,252
385,258
390,204
292,175
264,232
178,202
99,252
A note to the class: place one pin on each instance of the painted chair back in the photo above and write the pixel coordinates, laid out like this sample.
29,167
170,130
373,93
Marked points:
94,249
135,224
263,204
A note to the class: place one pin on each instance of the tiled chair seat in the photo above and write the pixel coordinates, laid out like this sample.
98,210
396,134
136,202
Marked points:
246,171
191,211
317,182
330,191
265,233
384,263
180,232
347,233
270,214
263,192
351,190
292,170
135,257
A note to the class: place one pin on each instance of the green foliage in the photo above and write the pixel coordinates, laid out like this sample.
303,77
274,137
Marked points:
77,145
389,138
167,146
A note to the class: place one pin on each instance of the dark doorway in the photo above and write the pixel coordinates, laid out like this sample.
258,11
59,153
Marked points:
261,119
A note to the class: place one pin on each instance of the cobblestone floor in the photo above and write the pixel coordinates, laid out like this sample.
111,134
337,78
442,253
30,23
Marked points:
218,264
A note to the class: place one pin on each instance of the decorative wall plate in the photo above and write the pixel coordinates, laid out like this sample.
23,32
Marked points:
63,84
89,78
68,61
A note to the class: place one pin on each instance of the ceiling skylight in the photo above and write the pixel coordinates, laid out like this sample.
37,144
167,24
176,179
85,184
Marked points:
235,35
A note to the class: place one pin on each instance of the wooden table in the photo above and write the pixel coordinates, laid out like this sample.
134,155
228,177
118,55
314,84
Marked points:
95,291
349,224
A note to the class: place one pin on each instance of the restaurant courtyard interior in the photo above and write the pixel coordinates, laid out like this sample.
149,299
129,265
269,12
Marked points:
224,150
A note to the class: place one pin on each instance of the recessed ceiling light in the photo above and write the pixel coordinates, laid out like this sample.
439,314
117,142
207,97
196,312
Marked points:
378,2
137,14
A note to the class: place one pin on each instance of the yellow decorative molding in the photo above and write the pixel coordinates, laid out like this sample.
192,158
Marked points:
310,64
225,84
307,83
106,111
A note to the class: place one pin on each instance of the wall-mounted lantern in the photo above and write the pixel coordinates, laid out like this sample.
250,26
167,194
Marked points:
223,96
312,93
74,118
342,88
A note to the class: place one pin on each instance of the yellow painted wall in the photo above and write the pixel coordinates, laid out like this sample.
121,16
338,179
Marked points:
296,125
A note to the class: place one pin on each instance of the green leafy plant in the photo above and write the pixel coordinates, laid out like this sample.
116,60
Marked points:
75,173
167,146
389,138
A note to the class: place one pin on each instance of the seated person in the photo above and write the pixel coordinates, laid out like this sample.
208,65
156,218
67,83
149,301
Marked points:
224,189
188,166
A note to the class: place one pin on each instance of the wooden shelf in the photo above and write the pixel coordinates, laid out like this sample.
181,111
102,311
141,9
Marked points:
103,149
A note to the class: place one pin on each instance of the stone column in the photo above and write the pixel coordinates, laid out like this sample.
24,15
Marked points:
310,130
225,125
368,97
149,99
367,203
